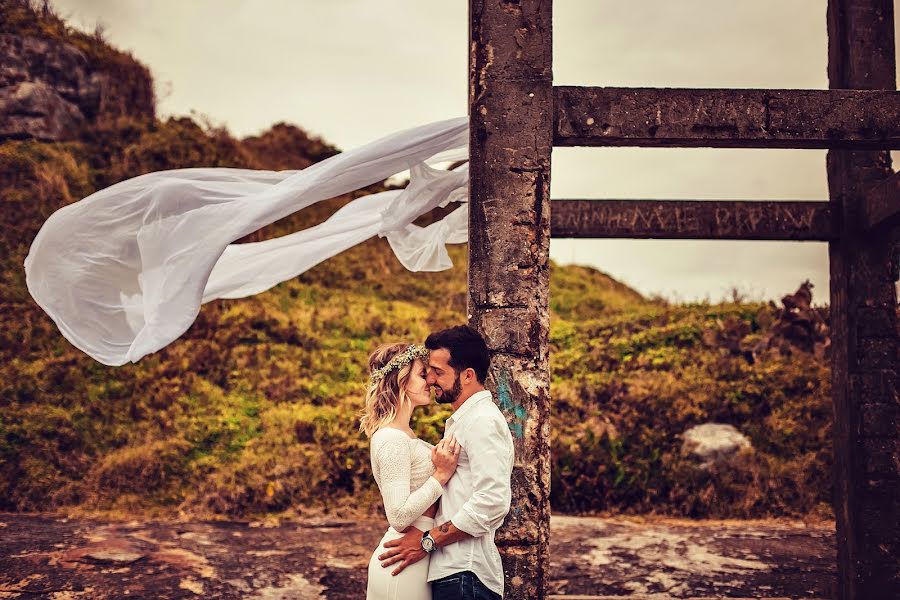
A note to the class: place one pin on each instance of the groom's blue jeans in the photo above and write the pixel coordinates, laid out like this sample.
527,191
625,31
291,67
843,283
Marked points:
461,586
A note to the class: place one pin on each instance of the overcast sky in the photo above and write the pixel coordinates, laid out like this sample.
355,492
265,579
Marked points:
353,70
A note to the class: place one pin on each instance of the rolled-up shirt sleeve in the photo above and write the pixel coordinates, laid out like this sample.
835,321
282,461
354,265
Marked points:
489,448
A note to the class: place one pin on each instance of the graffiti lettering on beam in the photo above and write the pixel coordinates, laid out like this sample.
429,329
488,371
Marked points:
712,219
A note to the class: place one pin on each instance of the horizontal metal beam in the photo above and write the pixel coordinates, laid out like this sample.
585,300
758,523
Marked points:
692,220
664,117
881,205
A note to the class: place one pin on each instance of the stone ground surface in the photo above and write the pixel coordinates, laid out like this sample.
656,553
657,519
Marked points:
46,556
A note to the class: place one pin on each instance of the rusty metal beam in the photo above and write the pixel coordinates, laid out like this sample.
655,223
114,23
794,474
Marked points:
840,118
693,220
881,205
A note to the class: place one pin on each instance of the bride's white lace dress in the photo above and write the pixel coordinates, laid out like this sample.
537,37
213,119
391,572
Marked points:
402,467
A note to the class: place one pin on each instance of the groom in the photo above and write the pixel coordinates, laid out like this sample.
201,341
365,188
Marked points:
465,563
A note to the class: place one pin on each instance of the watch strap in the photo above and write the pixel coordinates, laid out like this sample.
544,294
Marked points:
426,535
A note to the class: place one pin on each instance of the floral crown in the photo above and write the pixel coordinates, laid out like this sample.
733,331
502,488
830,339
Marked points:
399,361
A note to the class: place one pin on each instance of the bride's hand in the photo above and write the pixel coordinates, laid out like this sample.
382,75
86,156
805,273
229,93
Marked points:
445,456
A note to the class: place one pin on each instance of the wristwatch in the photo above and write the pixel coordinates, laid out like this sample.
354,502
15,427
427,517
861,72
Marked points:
427,542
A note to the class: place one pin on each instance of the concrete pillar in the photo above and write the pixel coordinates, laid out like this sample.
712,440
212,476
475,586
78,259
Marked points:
865,342
511,138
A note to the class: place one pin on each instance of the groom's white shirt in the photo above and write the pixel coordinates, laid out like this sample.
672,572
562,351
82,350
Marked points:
477,497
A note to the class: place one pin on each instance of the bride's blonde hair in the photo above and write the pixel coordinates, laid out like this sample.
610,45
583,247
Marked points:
387,386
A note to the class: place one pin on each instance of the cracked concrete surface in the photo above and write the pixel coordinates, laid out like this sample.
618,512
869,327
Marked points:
46,556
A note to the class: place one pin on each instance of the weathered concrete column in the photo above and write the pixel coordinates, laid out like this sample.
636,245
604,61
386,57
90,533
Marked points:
866,348
511,138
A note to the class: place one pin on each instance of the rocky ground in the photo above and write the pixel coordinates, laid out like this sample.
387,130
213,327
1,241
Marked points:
44,556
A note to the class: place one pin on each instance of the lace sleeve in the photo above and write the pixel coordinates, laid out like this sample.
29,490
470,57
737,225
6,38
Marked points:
394,460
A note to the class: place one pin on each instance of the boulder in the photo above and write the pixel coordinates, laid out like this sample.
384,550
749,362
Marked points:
713,443
34,109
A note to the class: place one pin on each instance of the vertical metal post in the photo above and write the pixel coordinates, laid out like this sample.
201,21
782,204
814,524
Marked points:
511,138
865,343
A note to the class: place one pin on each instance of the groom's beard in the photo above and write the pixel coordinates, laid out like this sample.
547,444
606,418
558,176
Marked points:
449,396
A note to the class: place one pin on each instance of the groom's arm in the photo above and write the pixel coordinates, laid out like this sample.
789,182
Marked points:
448,533
407,550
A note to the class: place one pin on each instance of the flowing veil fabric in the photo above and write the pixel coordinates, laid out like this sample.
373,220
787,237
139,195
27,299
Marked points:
124,271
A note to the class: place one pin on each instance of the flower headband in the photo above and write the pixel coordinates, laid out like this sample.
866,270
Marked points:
399,361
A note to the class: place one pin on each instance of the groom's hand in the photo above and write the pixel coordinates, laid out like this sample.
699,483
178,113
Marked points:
405,550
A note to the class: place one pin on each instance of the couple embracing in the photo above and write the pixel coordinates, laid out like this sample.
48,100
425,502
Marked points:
444,503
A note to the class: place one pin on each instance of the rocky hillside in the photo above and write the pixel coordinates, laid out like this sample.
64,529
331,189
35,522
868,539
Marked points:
55,82
253,410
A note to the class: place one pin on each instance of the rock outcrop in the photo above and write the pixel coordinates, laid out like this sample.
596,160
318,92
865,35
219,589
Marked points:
51,89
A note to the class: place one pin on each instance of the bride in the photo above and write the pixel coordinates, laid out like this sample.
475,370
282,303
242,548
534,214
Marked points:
410,472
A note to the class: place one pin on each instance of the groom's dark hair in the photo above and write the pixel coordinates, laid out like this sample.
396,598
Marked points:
466,347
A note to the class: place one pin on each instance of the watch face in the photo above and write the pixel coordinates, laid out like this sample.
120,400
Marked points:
427,544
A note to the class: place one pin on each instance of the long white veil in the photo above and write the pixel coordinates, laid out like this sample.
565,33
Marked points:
124,271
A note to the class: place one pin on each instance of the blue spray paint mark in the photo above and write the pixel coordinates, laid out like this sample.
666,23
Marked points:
518,412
